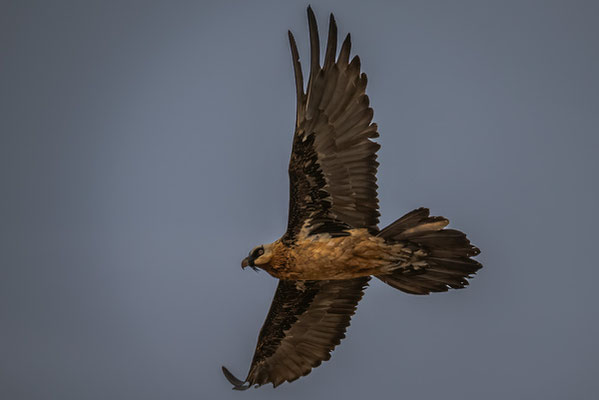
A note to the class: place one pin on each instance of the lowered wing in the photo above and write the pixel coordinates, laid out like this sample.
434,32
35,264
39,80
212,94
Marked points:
307,319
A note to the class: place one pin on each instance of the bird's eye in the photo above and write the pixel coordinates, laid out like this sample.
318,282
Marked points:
258,252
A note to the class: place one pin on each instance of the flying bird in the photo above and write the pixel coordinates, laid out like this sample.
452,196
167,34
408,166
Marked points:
333,245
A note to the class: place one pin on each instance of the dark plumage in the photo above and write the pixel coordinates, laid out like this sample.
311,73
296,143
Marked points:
332,245
332,136
448,258
305,322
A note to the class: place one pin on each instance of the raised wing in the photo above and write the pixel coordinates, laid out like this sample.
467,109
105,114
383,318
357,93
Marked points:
307,319
332,171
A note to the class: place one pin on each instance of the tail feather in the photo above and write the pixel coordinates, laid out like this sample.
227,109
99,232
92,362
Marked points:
409,220
448,252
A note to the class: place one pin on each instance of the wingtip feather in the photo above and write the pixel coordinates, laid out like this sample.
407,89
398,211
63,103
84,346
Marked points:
233,380
329,58
314,43
345,50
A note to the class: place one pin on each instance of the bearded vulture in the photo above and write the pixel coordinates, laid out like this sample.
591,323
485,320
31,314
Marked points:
333,245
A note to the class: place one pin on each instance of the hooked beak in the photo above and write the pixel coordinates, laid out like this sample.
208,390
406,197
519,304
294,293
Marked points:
246,262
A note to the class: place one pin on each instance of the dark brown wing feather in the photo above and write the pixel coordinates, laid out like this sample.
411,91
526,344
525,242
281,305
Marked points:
332,171
307,319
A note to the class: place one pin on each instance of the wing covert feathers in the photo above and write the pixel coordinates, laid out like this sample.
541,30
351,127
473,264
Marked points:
306,320
332,170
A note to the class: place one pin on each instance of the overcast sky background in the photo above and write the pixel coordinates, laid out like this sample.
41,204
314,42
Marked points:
143,153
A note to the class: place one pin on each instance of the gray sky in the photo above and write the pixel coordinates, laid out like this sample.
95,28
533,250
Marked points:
143,153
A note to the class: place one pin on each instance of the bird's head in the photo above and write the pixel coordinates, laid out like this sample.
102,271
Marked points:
259,256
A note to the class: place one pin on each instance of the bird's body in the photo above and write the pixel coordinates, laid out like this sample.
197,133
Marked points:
333,245
322,257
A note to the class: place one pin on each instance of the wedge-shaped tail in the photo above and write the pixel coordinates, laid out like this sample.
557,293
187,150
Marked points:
448,262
